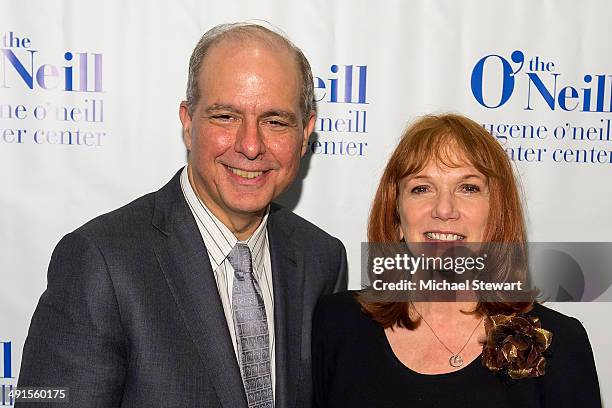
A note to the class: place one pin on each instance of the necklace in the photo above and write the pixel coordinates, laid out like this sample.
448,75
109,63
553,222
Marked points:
455,359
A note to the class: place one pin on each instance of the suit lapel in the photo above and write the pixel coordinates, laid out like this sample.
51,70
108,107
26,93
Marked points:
186,267
288,280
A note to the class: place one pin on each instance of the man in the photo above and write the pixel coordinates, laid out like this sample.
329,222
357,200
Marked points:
201,294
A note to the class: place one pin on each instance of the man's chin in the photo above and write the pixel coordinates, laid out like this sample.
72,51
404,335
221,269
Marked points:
249,211
249,207
248,201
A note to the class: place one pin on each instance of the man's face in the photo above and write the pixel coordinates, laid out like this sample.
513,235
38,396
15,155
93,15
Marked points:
245,135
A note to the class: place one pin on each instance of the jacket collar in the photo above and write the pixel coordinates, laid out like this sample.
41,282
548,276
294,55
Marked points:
186,266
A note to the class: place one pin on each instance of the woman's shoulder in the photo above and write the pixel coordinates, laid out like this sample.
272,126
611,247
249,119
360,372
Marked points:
341,310
341,304
570,343
558,323
570,356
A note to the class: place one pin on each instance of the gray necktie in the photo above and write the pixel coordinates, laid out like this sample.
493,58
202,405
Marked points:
251,327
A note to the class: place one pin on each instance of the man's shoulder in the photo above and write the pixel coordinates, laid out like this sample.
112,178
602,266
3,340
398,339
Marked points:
307,229
132,219
134,214
126,228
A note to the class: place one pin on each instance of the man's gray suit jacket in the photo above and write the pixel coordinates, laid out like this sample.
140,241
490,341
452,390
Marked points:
131,316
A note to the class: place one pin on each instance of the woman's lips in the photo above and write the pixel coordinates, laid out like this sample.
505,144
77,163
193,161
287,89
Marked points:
444,236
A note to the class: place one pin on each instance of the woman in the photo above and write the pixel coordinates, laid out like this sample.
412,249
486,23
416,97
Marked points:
448,180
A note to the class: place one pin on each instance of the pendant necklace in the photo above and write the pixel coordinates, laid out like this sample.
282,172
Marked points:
455,359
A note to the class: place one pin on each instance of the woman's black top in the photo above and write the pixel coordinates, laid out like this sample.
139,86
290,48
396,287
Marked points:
354,366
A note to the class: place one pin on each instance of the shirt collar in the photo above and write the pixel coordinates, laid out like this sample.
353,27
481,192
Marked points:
218,239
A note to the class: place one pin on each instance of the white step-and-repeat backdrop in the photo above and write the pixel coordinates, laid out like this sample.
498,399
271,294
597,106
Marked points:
89,96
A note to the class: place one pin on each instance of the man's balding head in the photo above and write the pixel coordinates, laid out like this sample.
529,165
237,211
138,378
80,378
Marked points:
243,34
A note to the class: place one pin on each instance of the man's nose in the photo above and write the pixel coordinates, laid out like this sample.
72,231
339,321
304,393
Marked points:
445,207
249,140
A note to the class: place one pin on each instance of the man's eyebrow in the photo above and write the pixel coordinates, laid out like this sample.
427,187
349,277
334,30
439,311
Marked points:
289,116
215,107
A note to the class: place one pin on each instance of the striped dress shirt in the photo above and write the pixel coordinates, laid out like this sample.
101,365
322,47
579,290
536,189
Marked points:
219,241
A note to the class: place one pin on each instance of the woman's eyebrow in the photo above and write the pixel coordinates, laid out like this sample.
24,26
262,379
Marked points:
419,177
468,176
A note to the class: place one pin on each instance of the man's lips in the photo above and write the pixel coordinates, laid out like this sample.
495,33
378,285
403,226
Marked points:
247,176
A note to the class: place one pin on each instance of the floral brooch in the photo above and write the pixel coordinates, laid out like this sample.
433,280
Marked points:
515,345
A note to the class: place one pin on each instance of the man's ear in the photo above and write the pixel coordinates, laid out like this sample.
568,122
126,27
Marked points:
308,129
186,121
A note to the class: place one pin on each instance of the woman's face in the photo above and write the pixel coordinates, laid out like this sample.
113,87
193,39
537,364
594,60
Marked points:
442,203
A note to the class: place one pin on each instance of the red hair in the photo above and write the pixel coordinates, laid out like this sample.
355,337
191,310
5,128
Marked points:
436,138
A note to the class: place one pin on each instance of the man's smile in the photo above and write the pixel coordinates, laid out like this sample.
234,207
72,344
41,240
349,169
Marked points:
245,173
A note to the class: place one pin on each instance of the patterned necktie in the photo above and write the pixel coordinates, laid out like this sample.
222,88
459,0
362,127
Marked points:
251,327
